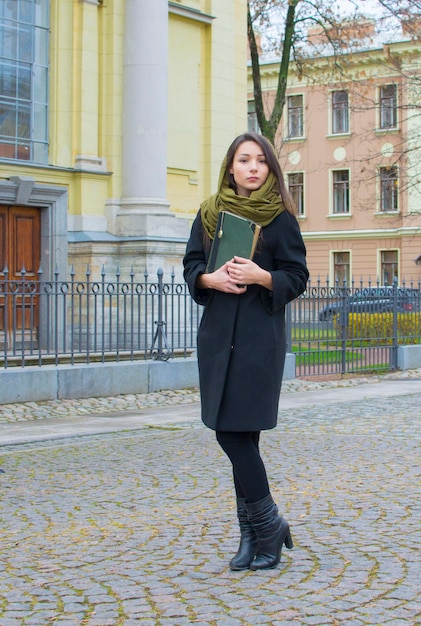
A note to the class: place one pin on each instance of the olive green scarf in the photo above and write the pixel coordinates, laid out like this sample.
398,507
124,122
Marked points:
262,206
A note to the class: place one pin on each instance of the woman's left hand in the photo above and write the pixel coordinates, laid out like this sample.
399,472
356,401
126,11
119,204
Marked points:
246,272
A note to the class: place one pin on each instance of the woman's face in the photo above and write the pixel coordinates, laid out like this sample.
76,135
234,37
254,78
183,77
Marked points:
249,168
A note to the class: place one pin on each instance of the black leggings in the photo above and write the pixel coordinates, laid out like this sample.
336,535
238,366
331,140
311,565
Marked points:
242,449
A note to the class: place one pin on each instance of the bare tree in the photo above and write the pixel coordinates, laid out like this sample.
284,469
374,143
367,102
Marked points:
286,25
260,12
300,31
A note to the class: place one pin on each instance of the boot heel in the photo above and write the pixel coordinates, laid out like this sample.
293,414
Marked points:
288,540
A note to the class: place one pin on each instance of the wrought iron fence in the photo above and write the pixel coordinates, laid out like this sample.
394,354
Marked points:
342,329
331,328
74,320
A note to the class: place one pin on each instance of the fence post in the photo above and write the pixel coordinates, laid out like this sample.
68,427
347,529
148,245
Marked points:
344,322
395,345
6,314
22,288
163,351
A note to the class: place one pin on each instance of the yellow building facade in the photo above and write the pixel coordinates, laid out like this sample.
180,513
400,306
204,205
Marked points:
114,118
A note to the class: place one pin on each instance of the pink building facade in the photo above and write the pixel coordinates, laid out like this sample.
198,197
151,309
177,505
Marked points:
350,149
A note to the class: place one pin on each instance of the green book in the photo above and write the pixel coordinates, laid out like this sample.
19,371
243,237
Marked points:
234,236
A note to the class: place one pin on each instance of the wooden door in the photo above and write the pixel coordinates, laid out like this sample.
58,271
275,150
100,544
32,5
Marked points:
20,237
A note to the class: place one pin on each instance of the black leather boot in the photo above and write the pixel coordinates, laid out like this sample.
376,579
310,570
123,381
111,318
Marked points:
272,532
248,542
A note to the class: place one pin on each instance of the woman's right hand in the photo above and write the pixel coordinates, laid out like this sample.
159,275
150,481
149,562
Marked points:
221,281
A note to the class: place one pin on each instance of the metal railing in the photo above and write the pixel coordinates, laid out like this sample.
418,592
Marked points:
69,321
331,328
337,329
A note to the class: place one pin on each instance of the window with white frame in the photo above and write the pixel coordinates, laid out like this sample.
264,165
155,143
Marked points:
389,189
296,190
388,106
341,200
295,110
340,112
342,267
389,269
24,39
252,123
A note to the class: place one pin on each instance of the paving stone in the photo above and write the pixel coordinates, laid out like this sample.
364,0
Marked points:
138,526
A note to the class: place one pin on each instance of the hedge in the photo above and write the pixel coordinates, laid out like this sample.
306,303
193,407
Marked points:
379,326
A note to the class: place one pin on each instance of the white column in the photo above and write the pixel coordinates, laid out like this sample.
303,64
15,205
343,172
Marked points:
145,103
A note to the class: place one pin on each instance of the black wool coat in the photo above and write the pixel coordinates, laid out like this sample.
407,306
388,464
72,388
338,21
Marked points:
241,338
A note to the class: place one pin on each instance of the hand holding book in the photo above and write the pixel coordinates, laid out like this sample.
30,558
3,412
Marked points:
247,272
234,236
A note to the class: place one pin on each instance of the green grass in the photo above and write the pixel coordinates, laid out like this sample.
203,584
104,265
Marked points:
313,334
323,357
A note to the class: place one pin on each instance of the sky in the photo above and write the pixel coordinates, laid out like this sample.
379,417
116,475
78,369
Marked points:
387,30
368,6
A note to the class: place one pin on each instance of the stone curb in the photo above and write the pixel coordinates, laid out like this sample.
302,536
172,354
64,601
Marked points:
29,411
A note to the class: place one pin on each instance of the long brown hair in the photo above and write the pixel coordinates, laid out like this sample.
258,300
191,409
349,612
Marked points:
271,160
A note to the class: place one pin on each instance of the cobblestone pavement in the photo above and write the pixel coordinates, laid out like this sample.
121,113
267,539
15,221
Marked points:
138,527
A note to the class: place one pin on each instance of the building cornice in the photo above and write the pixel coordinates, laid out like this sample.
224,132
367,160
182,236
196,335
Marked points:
379,233
189,13
356,58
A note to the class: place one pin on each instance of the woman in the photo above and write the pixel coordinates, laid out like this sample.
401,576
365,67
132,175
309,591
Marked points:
241,339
